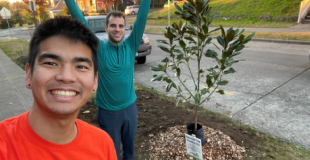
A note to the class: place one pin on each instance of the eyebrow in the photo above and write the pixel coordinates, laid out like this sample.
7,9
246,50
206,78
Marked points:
49,55
56,57
82,59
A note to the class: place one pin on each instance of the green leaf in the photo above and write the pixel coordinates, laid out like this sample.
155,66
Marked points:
221,41
224,82
248,38
230,36
226,54
204,91
165,60
205,28
235,54
162,41
239,48
157,78
202,36
177,51
221,91
214,30
209,81
223,32
159,68
208,41
230,70
178,7
190,39
238,33
210,53
177,37
197,98
168,87
164,48
178,72
182,44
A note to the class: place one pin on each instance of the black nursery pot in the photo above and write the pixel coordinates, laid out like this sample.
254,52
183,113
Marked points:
198,133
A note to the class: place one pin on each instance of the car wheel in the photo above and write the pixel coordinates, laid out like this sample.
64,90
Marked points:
133,13
141,60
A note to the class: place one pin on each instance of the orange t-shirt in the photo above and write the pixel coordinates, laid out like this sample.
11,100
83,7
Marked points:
19,142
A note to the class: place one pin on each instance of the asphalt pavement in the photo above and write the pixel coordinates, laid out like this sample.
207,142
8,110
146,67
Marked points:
15,98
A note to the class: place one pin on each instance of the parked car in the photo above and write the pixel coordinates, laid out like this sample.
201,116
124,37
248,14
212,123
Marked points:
97,24
132,9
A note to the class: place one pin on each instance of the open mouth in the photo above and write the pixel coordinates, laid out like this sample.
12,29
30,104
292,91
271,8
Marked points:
62,93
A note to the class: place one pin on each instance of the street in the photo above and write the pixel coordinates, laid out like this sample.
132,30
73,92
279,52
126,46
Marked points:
269,91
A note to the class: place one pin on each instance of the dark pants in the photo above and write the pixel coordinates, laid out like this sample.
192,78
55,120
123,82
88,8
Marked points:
122,127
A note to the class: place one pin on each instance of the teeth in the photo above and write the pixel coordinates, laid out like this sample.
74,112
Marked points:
59,93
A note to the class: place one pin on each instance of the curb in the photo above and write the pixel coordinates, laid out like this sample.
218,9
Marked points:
259,39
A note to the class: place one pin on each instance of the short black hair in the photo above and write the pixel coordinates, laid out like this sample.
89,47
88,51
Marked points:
66,27
114,14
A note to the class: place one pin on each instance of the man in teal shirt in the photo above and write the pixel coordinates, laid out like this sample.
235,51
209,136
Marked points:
117,111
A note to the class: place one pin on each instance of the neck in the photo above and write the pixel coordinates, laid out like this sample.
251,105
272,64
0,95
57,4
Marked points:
58,129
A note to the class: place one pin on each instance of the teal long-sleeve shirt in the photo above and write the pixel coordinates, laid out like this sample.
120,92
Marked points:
116,63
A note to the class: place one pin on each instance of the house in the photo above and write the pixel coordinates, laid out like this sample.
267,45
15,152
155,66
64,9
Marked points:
87,6
5,13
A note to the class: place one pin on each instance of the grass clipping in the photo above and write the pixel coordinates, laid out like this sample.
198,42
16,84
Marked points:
171,145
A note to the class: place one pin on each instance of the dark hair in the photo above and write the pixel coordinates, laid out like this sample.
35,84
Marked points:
114,14
67,27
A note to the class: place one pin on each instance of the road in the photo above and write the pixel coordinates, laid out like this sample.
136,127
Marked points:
269,91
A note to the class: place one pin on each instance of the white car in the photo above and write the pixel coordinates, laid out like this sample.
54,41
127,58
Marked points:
132,9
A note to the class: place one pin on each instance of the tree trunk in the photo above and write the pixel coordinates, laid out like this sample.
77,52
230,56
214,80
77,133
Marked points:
196,118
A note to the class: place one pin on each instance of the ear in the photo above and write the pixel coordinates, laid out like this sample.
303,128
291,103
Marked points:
95,83
28,76
106,27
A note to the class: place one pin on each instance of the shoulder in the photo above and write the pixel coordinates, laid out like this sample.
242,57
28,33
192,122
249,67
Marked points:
93,131
9,124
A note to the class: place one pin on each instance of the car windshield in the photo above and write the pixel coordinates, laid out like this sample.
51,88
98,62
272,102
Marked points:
98,25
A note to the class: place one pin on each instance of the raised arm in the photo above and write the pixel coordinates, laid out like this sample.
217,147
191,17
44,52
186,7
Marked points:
76,12
135,36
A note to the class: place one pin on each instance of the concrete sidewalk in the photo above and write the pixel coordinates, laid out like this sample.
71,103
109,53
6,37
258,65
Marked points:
15,98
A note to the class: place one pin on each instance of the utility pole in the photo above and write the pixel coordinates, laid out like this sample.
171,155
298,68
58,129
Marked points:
7,21
32,7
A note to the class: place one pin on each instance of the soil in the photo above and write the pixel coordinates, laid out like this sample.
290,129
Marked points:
156,115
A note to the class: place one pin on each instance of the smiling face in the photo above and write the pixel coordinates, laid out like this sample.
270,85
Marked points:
63,77
116,29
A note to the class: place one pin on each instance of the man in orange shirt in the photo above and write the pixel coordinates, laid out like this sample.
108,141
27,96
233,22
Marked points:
62,74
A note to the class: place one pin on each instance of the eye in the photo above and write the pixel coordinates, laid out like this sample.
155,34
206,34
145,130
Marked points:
50,63
81,67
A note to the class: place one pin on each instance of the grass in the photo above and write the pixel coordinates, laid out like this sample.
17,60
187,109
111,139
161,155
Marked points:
242,13
273,147
16,49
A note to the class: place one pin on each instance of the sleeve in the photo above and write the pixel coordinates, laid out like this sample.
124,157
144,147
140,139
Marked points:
135,37
3,149
75,12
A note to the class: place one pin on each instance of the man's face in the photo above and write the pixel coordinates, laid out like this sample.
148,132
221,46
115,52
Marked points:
116,29
63,76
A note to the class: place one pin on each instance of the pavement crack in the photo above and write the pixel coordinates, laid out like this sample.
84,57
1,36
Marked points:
270,92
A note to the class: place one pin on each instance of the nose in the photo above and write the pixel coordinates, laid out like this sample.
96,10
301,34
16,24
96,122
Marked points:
66,74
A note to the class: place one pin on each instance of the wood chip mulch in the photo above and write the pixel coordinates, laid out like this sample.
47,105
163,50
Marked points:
171,145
